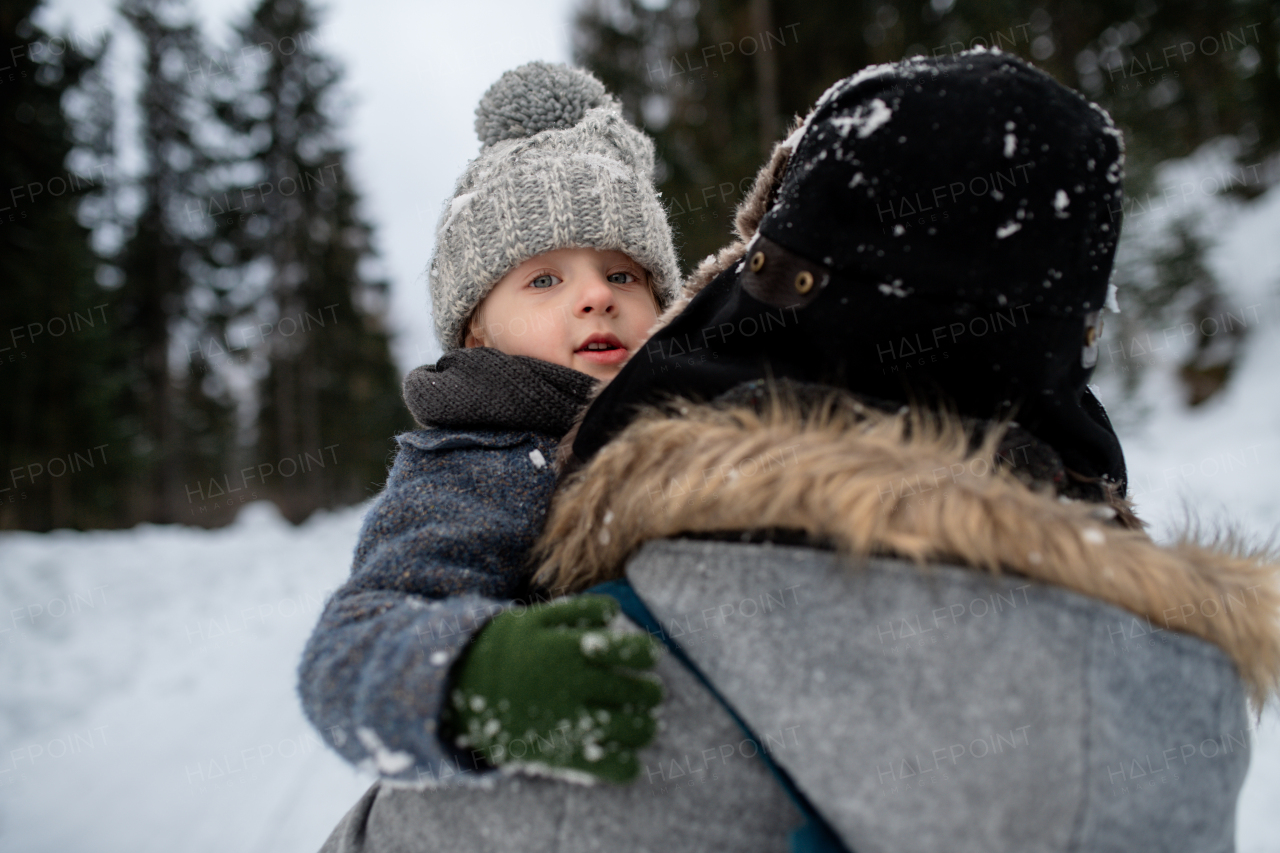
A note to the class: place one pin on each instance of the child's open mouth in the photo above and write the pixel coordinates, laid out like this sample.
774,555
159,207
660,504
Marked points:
602,349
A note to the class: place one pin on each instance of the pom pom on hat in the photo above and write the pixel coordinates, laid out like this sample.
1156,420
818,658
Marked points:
536,97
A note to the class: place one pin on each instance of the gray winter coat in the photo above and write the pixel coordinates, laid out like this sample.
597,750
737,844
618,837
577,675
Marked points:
1089,696
442,550
934,710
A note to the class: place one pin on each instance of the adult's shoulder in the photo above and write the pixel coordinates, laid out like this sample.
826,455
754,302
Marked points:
898,694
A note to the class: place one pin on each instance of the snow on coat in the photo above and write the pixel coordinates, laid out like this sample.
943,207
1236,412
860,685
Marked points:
972,663
961,699
442,550
701,788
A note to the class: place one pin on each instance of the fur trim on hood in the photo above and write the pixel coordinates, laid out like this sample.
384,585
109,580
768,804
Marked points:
904,485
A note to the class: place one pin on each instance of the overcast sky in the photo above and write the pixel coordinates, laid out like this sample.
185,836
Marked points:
415,71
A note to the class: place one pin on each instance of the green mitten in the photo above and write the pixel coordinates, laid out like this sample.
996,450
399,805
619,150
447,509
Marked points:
549,687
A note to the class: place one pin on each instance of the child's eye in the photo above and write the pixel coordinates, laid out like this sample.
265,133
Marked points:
545,280
623,277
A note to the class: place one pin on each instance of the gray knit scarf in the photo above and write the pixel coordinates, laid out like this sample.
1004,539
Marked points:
484,388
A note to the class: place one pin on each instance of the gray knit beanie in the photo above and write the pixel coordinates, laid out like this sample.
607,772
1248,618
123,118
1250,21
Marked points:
559,167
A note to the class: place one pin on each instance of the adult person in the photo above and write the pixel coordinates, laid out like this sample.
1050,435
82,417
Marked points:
946,628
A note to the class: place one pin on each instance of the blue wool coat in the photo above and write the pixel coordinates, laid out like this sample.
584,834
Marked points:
443,549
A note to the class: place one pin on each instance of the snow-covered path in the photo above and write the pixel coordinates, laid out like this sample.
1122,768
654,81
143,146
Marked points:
149,701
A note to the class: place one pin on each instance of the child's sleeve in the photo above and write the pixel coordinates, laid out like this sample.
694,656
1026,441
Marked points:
442,550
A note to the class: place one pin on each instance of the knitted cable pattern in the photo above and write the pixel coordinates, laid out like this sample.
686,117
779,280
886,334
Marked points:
560,167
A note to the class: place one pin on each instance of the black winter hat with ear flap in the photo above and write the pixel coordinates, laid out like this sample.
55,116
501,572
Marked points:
943,233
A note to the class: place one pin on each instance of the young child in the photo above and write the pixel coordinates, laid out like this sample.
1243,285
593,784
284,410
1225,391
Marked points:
552,261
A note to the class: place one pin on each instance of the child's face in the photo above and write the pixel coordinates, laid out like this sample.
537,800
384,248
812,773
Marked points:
555,305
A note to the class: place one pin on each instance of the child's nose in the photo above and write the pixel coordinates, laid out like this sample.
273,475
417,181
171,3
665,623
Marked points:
595,295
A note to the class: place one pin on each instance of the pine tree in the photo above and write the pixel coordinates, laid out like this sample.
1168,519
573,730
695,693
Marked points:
62,453
183,419
329,395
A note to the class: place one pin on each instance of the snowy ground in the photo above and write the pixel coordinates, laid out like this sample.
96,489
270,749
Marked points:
149,688
148,675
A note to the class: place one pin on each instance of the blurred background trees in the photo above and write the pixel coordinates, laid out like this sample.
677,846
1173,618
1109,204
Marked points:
227,337
60,386
324,385
229,340
717,82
